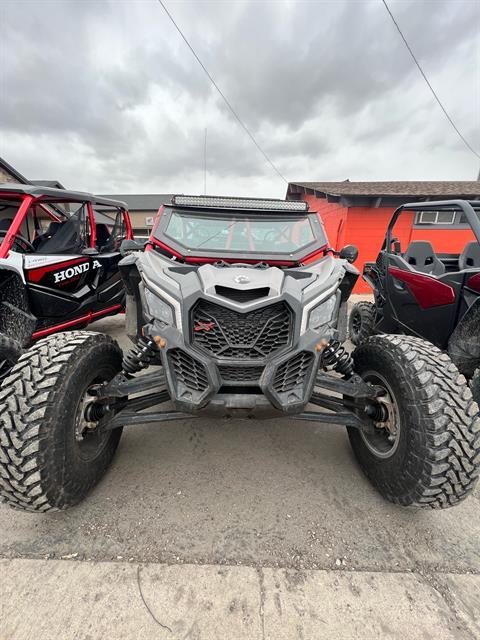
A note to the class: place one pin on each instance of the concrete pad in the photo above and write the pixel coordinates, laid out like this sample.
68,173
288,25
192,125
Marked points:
462,593
361,606
51,599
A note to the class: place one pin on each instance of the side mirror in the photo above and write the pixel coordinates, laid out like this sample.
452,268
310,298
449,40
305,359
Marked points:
128,246
349,253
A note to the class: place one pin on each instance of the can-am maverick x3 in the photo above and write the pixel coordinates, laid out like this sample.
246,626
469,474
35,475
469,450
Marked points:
237,307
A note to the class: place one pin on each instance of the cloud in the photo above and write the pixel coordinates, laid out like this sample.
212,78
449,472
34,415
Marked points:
105,96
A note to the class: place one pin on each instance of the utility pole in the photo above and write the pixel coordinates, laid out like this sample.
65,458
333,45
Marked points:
205,164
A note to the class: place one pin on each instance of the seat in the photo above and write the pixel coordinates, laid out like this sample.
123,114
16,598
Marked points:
50,231
421,257
103,238
470,256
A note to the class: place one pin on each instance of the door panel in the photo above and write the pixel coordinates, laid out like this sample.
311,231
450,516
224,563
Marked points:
423,305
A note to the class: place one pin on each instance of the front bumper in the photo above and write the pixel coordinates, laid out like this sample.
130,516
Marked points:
196,382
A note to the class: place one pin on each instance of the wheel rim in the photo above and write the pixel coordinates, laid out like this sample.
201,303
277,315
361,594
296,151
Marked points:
89,441
383,443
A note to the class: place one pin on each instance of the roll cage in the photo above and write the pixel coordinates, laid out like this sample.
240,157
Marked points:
467,207
50,201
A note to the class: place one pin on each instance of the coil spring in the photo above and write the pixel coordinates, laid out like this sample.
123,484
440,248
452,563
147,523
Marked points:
335,357
139,356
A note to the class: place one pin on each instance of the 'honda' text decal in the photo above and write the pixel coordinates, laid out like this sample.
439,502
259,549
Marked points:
76,270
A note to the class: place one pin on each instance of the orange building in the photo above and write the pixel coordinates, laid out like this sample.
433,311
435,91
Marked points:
359,212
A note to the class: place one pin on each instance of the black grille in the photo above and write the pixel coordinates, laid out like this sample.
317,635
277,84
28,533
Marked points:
187,370
229,334
242,295
293,372
240,374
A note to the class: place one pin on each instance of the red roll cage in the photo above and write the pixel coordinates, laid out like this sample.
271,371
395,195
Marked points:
41,199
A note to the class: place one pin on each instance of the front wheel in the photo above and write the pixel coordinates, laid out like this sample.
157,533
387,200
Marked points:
50,455
427,451
361,324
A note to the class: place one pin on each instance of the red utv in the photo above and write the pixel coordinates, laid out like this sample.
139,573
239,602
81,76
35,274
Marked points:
426,280
59,253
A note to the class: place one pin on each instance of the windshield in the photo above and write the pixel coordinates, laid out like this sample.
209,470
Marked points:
240,233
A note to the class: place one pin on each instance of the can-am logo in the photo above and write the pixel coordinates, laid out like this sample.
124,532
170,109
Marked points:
203,326
76,270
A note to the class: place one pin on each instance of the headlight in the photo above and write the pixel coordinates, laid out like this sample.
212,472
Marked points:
158,308
322,313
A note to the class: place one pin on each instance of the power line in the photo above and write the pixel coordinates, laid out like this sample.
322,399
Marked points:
232,110
467,144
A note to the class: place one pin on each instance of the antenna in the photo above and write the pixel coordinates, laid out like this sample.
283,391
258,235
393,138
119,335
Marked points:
205,164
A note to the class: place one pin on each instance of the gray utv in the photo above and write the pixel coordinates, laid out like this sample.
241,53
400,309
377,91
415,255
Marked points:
237,307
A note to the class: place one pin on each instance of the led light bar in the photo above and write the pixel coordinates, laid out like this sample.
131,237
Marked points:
208,202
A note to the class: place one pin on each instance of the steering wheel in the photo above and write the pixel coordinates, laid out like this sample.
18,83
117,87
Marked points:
23,245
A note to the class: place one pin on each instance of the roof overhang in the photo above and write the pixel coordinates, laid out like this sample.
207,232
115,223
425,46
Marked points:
296,191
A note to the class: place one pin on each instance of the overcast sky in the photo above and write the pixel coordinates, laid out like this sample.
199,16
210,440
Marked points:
104,96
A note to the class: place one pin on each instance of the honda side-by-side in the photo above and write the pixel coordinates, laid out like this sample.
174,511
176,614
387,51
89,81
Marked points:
59,254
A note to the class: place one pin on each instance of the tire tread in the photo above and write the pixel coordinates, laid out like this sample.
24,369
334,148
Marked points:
28,398
441,406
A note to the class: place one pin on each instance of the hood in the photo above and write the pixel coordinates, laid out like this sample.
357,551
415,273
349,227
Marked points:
220,280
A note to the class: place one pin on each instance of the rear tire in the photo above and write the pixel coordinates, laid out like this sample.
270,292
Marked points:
10,352
48,459
432,457
361,323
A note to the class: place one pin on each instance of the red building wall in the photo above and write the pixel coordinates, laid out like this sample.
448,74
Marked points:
362,226
365,228
334,218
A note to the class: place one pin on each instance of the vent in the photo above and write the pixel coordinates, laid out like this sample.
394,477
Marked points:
188,371
240,374
229,334
293,373
242,295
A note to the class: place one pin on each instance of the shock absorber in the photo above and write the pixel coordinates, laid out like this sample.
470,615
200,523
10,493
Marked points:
336,358
139,356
